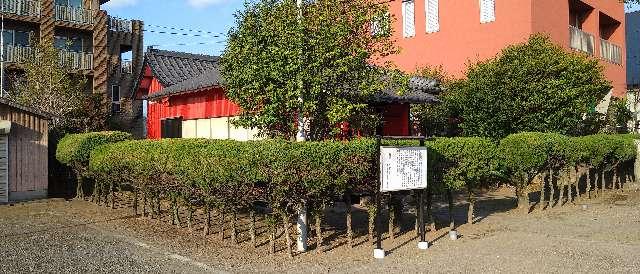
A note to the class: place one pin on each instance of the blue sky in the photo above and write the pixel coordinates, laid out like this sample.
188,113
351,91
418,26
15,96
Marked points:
214,16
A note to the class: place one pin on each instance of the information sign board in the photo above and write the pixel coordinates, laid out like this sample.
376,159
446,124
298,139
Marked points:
403,168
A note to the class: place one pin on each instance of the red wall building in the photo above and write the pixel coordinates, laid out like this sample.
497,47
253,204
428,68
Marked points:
451,33
186,99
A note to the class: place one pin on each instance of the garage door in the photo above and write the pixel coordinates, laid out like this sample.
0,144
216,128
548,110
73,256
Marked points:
4,168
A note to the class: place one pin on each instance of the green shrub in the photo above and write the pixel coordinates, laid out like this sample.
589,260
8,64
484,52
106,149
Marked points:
75,149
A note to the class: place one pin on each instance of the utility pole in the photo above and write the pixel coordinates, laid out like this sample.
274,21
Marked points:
2,53
301,136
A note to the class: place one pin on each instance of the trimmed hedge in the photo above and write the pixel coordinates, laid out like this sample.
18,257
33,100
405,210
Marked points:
74,150
282,172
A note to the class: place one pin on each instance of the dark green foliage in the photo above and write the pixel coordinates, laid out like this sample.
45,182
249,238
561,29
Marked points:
284,173
536,86
75,149
282,61
525,155
463,162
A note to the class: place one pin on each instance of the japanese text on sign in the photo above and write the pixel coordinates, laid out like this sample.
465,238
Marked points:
403,168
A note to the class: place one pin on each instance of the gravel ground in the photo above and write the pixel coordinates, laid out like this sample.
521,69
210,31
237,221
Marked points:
81,237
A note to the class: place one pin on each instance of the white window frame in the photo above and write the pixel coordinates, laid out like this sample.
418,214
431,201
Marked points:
407,33
432,26
114,102
487,16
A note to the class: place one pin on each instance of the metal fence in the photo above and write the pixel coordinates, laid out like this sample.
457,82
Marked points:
21,7
17,54
120,25
74,15
580,40
610,52
76,60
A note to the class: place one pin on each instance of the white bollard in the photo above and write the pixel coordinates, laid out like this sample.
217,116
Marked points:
453,235
378,253
302,226
423,245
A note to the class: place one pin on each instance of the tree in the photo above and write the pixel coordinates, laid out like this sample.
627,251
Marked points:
279,65
436,119
533,86
49,86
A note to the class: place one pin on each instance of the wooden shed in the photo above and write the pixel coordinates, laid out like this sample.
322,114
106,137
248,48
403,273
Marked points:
23,152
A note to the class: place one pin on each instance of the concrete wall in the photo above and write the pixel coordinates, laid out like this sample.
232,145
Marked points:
463,39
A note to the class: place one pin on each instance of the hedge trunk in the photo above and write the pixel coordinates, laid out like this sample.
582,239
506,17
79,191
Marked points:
472,202
287,234
252,227
603,182
452,224
430,219
318,223
392,218
234,228
190,216
349,221
552,192
207,224
543,190
523,198
221,233
135,202
79,188
372,223
588,190
144,204
113,195
272,239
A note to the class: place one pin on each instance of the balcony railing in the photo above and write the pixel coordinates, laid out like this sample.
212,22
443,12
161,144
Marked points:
74,15
580,40
18,54
126,67
610,52
120,25
76,60
21,7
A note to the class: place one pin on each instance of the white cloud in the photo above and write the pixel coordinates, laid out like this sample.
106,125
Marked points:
204,3
120,3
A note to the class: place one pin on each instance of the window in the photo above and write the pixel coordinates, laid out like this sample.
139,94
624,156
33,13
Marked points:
7,36
171,128
115,99
487,11
433,20
408,18
21,38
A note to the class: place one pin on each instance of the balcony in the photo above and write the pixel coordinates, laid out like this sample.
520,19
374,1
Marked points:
76,60
18,54
21,7
120,25
126,67
74,15
610,52
580,40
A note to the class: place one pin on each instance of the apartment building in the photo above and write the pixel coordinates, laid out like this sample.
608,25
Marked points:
452,33
106,49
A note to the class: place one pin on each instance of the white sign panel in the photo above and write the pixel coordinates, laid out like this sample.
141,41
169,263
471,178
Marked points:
403,168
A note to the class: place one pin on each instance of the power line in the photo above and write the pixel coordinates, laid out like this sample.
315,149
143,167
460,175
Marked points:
186,29
192,44
182,34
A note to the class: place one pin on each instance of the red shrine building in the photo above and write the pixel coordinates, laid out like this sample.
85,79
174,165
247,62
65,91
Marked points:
186,99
